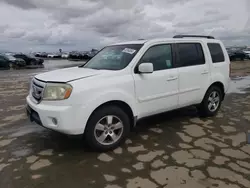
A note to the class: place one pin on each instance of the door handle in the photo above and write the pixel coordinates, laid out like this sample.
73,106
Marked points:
205,72
172,78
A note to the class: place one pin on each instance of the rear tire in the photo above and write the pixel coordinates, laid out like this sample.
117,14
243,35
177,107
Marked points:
107,128
211,102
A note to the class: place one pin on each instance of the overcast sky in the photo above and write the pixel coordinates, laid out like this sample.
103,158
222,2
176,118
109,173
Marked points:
47,25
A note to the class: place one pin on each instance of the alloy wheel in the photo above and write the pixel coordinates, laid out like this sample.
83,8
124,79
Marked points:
108,130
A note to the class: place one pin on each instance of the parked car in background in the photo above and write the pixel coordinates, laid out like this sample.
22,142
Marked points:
4,62
237,55
83,55
37,54
92,53
65,55
75,55
8,53
29,59
247,52
54,55
51,55
41,54
15,62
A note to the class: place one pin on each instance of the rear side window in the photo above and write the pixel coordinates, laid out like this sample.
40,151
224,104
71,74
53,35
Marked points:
190,54
216,52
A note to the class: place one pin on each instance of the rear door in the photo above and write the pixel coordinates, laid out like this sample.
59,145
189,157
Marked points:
194,75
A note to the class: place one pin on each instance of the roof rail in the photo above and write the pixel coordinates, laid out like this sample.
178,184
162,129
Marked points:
195,36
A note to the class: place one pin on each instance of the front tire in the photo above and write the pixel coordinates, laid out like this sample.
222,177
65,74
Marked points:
107,128
211,102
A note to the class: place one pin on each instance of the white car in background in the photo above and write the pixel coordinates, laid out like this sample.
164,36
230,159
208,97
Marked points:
54,55
247,52
51,55
103,99
65,55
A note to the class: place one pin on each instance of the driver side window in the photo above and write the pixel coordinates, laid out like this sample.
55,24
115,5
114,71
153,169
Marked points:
160,56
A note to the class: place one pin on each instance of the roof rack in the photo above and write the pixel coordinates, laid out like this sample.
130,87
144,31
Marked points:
195,36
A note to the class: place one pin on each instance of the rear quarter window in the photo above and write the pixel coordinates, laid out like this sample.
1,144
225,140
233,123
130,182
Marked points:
216,52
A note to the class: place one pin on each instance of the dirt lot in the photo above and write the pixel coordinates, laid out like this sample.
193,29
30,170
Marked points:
240,68
173,150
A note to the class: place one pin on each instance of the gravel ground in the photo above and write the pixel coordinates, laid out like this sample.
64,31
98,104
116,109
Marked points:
172,150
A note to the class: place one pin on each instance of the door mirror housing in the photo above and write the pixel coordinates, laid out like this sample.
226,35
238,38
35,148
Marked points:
146,68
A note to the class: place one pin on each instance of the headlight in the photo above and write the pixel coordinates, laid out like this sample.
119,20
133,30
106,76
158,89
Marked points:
55,91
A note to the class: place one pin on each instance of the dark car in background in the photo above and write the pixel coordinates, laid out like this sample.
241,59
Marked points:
4,62
237,55
41,54
93,52
29,59
84,55
75,55
15,62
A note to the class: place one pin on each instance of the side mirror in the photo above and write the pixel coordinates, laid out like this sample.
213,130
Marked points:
146,68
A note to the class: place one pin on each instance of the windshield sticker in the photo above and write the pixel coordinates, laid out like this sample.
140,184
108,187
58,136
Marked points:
129,50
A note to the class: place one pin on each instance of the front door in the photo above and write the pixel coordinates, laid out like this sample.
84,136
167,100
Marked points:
158,91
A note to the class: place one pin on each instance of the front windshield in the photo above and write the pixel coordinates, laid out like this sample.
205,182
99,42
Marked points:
114,57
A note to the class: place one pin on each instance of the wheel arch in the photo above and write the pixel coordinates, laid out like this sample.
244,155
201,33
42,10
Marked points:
219,85
121,104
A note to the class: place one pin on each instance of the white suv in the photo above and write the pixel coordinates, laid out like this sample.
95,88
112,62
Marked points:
125,82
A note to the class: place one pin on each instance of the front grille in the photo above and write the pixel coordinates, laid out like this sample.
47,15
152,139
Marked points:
37,88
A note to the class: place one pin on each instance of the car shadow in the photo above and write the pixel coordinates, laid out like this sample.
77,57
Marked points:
170,119
48,139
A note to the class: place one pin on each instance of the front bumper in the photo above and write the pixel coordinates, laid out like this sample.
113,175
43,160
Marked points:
33,115
67,120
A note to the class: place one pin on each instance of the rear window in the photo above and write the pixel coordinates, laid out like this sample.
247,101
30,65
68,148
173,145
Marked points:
190,54
216,52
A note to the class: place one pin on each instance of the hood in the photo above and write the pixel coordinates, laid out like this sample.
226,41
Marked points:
69,74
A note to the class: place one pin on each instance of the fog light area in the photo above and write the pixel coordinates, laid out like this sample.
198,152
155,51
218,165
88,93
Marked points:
54,121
